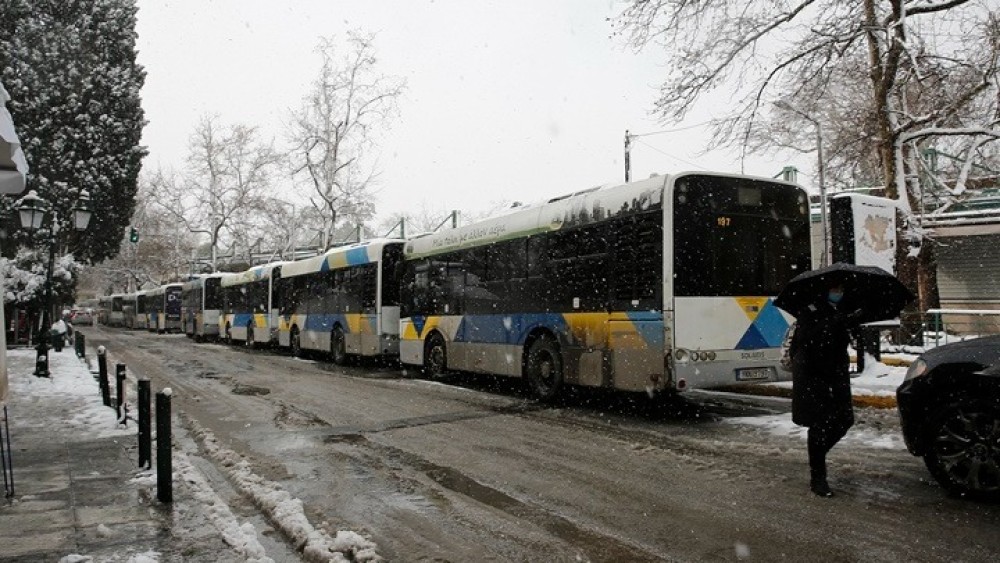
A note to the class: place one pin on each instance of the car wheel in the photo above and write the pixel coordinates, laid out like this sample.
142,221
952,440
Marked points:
295,343
338,347
435,357
964,449
544,369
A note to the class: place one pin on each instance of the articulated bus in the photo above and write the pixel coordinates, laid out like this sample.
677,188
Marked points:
663,284
164,308
201,306
249,307
342,302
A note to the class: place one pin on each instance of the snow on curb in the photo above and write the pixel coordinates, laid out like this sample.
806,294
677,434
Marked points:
243,539
285,511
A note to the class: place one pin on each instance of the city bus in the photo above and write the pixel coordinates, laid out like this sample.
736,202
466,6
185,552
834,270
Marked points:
201,306
344,302
103,309
116,313
141,318
164,308
664,284
128,310
249,306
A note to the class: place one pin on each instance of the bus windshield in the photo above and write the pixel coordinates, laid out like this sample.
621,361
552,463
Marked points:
737,236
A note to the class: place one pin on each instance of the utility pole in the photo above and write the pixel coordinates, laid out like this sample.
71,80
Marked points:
628,156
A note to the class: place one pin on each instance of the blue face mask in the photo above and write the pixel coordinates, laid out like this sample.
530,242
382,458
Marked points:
834,296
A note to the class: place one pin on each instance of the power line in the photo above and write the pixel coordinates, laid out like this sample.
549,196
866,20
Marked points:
677,130
674,157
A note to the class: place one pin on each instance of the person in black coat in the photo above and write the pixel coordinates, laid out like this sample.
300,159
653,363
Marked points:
821,381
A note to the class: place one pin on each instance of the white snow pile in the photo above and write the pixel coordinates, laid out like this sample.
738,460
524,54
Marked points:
285,511
146,557
71,386
242,538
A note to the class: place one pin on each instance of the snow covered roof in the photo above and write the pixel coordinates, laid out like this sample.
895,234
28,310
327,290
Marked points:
339,257
559,212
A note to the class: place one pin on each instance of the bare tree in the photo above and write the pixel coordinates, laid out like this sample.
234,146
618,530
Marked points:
912,71
334,131
160,255
228,176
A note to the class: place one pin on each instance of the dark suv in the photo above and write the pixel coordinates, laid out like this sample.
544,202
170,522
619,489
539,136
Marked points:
949,405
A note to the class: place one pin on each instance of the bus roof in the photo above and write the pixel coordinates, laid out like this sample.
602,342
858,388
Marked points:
199,281
581,207
255,273
356,254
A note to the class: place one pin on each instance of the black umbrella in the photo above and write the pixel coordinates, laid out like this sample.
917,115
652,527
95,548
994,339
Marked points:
869,288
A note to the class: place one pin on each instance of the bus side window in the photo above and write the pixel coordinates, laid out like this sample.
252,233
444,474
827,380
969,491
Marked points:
535,294
369,281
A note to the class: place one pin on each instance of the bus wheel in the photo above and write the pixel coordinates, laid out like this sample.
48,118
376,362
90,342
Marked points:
295,343
435,357
249,341
338,347
544,369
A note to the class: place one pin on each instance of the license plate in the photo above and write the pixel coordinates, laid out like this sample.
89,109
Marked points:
753,374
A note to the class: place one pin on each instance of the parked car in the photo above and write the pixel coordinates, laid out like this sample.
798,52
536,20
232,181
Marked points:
82,317
949,406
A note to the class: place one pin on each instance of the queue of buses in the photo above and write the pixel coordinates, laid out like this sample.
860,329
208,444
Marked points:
664,284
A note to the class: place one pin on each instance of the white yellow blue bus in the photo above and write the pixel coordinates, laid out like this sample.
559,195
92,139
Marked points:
249,306
201,306
163,306
661,284
343,302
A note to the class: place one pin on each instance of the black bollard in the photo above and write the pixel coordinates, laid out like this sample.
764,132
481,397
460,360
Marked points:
102,375
120,391
145,440
80,342
164,462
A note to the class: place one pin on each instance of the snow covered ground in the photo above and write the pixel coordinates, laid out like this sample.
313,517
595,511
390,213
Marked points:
877,380
84,417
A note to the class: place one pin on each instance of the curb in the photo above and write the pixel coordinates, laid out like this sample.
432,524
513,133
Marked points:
867,401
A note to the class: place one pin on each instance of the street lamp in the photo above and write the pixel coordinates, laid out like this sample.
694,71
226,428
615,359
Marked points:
32,210
824,255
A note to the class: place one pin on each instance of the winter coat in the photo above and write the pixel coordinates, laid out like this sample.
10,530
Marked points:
821,365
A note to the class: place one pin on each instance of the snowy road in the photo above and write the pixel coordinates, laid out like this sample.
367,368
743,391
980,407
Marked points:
479,472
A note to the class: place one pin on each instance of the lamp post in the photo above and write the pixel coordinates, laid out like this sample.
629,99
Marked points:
32,210
824,255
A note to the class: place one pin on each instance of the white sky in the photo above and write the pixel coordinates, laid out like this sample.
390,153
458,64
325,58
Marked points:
506,100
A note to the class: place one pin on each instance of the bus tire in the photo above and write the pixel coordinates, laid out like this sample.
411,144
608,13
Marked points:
435,357
295,343
250,338
338,347
544,369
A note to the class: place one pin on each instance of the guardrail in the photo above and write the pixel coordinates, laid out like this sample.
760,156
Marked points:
956,323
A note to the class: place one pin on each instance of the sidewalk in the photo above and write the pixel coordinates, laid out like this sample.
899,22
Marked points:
79,494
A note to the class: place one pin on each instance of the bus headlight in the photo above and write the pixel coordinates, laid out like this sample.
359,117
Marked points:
681,355
711,356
